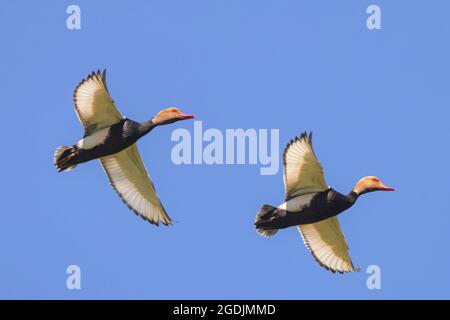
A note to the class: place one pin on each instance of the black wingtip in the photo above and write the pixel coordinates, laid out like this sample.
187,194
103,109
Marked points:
304,135
104,79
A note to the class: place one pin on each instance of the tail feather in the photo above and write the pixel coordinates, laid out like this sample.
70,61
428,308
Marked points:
64,157
264,215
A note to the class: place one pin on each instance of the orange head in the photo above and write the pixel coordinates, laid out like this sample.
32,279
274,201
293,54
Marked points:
170,115
369,184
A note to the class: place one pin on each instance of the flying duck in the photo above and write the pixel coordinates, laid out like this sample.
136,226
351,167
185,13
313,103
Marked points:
111,138
312,206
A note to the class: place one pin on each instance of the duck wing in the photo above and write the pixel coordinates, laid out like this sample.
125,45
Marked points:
93,105
303,172
129,178
327,244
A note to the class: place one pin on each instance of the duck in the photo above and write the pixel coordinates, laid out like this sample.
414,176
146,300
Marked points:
312,206
111,138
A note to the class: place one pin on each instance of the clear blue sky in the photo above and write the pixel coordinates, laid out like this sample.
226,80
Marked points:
377,101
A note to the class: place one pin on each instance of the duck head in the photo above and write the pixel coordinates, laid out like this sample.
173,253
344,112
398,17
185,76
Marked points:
170,115
369,184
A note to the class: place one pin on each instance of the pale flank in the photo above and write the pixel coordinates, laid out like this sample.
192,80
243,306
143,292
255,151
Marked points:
94,139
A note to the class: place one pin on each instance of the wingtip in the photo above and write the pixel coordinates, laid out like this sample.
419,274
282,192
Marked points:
305,136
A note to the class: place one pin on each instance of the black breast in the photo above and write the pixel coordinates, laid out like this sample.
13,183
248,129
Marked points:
123,134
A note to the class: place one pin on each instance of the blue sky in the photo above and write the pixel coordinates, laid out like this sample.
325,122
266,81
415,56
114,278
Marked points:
377,102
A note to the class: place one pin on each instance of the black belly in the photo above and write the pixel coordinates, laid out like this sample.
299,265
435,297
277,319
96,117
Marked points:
120,136
323,205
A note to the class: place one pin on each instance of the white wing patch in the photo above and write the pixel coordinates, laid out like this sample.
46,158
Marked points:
128,176
93,104
303,172
327,244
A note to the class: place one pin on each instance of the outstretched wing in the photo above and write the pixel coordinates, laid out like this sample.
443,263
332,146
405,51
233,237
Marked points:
303,173
327,244
127,174
94,106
